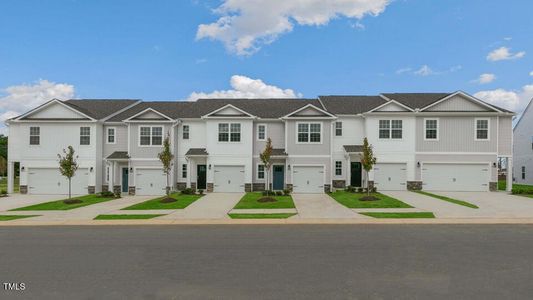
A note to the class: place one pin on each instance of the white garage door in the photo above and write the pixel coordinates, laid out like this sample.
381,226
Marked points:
308,179
43,181
150,182
390,177
455,177
229,179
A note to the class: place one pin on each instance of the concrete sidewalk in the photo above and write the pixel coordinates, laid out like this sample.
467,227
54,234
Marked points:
210,206
321,206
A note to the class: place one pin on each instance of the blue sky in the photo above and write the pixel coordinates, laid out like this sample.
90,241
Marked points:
166,50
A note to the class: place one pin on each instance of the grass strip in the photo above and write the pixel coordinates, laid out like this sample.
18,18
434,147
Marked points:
451,200
262,216
406,215
125,217
15,217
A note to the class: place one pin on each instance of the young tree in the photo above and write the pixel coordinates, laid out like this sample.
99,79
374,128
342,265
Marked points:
265,158
68,166
368,161
166,157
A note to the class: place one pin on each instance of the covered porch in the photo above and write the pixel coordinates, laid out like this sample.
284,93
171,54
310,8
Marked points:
117,172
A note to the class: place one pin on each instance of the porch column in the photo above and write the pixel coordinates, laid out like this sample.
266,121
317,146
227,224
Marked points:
189,173
509,177
111,176
10,177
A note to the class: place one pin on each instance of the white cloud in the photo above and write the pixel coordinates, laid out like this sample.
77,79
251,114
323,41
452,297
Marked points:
425,70
512,100
485,78
504,53
244,26
403,70
21,98
531,73
245,87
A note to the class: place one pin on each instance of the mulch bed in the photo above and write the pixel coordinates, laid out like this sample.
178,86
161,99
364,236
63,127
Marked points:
266,199
72,201
168,200
369,198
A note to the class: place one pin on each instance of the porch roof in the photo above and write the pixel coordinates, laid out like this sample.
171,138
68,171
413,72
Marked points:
353,148
118,155
197,152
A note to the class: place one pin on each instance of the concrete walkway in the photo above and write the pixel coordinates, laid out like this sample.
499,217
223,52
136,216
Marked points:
20,200
321,206
210,206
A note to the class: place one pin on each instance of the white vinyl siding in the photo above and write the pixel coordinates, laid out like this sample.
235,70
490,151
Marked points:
35,135
85,135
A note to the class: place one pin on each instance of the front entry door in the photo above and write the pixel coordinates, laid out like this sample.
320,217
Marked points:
356,171
125,175
201,177
278,177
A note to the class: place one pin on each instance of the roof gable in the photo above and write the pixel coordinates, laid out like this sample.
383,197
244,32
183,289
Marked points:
228,111
309,111
460,102
392,106
54,110
149,114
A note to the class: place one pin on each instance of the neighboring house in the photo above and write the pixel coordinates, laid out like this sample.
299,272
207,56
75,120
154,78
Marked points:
523,147
430,141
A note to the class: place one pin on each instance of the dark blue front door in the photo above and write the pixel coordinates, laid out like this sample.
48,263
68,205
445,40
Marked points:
125,180
277,183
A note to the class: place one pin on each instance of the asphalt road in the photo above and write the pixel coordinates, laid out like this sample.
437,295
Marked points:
269,262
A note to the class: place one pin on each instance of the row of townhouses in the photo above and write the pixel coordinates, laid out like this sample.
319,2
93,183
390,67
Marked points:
429,141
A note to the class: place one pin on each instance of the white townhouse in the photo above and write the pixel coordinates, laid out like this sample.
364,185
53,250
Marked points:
523,148
429,141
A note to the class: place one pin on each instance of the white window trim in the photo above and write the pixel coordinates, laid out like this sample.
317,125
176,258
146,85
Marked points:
309,133
438,130
257,172
335,128
335,168
107,135
229,133
390,130
90,136
488,130
257,133
150,126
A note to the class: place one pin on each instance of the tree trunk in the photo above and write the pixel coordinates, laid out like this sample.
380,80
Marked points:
69,188
367,184
167,189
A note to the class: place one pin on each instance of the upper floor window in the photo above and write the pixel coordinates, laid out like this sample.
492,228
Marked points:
111,135
309,132
338,168
35,135
390,129
338,128
229,132
260,171
523,173
151,136
85,135
482,129
185,132
431,129
261,132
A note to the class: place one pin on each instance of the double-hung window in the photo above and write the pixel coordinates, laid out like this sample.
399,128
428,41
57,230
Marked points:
309,132
186,132
431,129
260,171
151,136
229,132
111,135
482,129
85,135
338,168
184,171
35,135
338,128
523,173
391,129
261,132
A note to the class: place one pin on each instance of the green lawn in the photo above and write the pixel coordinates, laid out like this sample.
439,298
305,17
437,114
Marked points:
249,201
183,201
14,217
502,184
125,217
351,200
406,215
60,205
3,184
451,200
261,216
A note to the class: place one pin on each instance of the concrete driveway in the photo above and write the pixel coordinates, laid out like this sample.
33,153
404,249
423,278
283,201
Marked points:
321,206
491,204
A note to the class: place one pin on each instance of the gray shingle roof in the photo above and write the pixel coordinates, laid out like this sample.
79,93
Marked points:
353,148
350,105
279,152
99,108
119,155
416,100
196,151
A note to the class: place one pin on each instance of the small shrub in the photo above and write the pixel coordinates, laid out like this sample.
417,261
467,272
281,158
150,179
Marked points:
359,189
517,190
268,193
106,194
373,189
3,192
200,191
279,193
286,192
350,189
188,191
117,194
